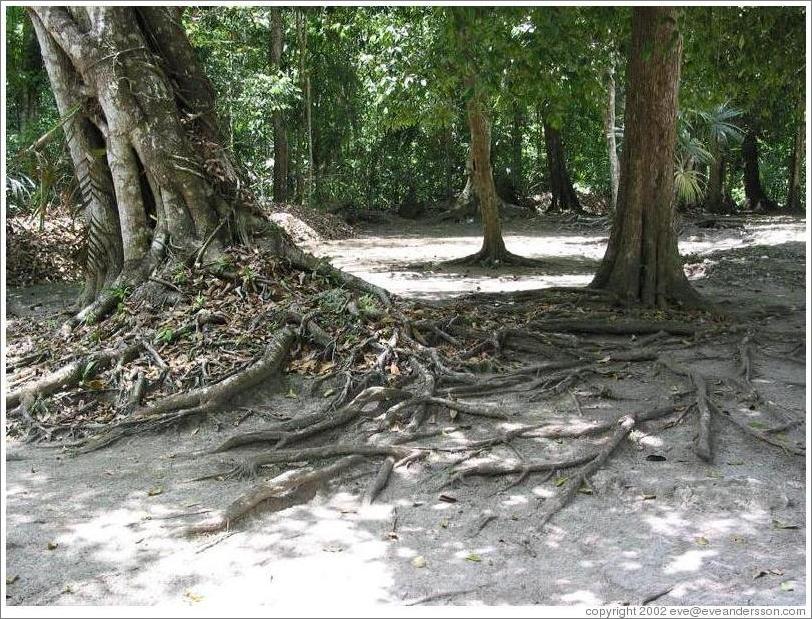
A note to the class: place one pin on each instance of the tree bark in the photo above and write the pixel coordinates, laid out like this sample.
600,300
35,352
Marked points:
755,197
467,202
714,201
794,194
301,29
280,135
481,178
31,66
145,143
642,263
564,197
516,167
611,138
103,249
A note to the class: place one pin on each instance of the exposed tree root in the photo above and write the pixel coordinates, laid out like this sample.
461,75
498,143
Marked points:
574,485
71,374
399,369
766,435
275,488
705,405
483,258
298,429
172,409
551,431
625,327
380,481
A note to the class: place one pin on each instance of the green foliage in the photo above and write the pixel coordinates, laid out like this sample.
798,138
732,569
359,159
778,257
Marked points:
165,336
389,86
120,292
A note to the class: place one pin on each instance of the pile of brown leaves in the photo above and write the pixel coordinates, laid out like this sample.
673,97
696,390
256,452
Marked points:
47,255
302,220
211,324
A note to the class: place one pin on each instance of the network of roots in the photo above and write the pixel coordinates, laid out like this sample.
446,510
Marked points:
189,342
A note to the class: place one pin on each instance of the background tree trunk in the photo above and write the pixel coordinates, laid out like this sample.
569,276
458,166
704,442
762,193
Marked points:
610,122
31,65
564,197
280,134
716,170
756,198
794,194
145,143
301,29
642,263
516,168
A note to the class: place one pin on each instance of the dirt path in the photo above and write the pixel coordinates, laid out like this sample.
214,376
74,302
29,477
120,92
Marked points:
103,528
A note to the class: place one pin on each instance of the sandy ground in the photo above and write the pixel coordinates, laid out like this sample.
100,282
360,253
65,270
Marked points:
103,528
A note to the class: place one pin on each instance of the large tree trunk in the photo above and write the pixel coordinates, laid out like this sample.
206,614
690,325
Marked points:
642,263
794,194
611,138
564,197
755,197
280,134
144,140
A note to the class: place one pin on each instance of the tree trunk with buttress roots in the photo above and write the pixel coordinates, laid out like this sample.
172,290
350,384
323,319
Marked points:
482,186
144,138
642,263
493,246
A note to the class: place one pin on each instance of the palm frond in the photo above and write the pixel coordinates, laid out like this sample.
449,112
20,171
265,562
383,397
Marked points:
689,184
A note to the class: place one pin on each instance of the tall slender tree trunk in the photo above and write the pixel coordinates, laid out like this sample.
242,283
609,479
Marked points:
539,140
493,246
280,134
307,102
610,122
715,202
516,167
564,197
449,162
642,263
794,194
32,65
145,143
482,188
755,195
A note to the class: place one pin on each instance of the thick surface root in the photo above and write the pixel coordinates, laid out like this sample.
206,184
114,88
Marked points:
277,488
485,259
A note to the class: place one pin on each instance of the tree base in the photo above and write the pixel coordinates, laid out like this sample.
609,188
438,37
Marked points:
494,260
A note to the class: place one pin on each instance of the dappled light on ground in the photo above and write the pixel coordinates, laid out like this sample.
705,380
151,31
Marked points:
406,258
654,523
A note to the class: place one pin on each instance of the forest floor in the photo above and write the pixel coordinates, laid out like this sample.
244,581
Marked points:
654,524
